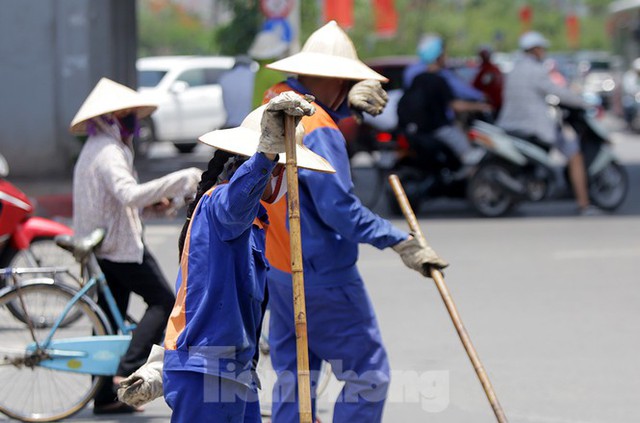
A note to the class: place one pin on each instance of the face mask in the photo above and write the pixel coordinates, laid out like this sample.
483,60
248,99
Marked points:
278,187
128,125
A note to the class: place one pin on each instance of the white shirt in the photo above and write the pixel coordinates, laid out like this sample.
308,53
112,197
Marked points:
524,107
106,194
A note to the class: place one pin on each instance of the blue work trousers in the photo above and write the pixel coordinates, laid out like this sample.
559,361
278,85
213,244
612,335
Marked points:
198,397
342,329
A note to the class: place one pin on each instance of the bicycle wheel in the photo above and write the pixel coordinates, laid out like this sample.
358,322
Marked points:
43,252
30,392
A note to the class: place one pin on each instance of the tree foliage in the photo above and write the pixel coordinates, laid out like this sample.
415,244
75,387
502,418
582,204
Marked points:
165,28
235,37
465,24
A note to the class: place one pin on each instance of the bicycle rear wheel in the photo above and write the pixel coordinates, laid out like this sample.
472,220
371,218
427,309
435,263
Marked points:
43,252
30,392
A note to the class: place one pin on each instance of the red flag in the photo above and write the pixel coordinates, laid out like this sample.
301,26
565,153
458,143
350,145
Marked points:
386,17
339,10
526,13
573,31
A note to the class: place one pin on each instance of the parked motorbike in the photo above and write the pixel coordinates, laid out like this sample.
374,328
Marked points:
517,169
27,240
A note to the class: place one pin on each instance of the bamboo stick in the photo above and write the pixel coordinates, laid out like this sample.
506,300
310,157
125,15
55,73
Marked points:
448,301
299,306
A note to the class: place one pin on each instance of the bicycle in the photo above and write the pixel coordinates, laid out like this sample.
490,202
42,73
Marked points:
51,364
12,276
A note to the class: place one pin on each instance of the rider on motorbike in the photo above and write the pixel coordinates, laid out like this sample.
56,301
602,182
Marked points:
525,111
426,111
630,91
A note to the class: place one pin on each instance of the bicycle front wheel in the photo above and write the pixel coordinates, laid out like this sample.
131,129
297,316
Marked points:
30,392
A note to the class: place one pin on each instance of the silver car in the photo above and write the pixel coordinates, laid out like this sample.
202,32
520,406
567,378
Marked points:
189,97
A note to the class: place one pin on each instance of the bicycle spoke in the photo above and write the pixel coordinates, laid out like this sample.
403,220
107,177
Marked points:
30,391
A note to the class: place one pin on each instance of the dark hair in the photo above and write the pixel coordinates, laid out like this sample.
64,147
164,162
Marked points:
208,180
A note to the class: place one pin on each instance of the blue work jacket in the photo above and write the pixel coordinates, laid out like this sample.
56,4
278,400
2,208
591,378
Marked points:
220,286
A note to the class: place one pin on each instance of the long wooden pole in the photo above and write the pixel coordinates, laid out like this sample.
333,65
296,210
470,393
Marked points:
299,305
401,196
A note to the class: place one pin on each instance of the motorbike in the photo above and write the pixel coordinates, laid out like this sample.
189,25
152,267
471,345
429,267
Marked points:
516,169
436,173
27,240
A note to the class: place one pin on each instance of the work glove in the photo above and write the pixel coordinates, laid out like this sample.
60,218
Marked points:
145,384
367,96
416,254
272,123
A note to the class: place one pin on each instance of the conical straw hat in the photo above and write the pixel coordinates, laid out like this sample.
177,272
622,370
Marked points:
244,140
108,97
328,53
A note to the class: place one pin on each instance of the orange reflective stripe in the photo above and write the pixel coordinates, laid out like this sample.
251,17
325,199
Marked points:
278,243
178,317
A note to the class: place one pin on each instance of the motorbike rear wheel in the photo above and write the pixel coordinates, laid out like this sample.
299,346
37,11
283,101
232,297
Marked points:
608,188
486,195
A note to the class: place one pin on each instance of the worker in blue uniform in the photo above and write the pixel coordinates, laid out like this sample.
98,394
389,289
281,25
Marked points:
211,337
341,324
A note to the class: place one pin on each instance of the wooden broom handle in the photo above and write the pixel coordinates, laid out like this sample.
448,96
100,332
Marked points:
299,305
436,275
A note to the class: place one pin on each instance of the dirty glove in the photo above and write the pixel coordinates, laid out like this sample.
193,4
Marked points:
418,255
145,384
272,124
367,96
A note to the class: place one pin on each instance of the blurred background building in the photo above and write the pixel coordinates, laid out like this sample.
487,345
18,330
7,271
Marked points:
53,53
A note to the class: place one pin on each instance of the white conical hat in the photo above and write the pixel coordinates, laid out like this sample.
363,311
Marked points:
328,53
108,97
244,140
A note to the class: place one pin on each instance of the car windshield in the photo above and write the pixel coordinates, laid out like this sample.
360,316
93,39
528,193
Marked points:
150,78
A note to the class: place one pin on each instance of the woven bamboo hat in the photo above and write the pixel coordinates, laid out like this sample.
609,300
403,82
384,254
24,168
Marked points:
329,53
108,97
244,140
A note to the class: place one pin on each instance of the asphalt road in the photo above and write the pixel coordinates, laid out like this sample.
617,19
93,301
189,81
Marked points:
548,298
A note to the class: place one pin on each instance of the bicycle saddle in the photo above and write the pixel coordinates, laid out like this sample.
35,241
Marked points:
81,247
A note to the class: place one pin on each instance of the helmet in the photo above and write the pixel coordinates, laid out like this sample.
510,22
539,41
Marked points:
532,39
430,48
